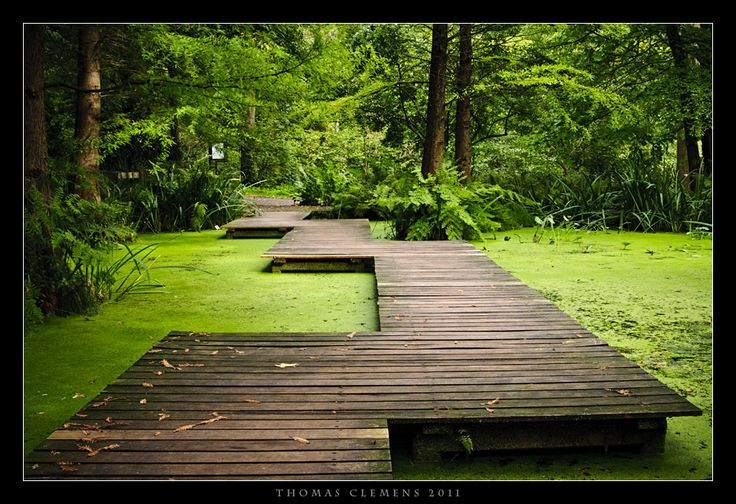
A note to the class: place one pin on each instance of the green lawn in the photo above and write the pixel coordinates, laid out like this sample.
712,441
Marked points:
648,295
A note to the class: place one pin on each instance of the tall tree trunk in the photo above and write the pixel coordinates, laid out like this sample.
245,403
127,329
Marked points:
463,154
707,145
87,128
34,128
680,58
434,140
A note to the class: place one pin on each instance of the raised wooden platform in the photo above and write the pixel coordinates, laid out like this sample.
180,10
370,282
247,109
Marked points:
464,349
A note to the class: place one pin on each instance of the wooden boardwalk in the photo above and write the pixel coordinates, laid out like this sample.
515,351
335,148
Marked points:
462,344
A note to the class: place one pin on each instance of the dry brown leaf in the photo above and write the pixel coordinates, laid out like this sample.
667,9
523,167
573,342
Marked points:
567,342
55,452
34,466
169,365
239,351
189,364
163,416
92,453
155,350
300,439
215,352
334,412
186,350
351,334
147,385
252,401
109,420
158,373
396,317
203,422
489,410
78,395
66,466
81,415
623,391
285,365
491,403
102,403
143,401
90,439
157,433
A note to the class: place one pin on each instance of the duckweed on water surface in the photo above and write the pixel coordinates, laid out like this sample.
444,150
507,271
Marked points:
648,295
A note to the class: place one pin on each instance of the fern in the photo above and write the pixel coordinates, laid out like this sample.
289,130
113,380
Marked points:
440,207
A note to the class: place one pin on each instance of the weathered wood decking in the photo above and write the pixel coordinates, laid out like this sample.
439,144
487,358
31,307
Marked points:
462,344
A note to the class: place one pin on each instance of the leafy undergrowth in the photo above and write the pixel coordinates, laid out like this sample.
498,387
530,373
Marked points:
67,361
647,295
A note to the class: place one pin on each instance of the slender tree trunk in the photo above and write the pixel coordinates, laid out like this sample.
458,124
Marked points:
707,145
34,127
247,168
682,163
680,58
87,129
434,140
463,154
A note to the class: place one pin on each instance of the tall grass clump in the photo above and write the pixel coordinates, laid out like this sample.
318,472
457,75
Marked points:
634,195
177,198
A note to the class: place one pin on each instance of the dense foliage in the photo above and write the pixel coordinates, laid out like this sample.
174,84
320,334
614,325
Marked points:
586,123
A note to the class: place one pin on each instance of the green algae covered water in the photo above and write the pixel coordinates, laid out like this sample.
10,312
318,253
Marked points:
648,295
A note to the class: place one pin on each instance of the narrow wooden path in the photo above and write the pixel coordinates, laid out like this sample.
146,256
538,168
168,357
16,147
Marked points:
462,343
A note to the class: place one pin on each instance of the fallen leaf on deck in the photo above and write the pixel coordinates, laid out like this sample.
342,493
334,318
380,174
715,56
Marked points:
158,373
351,334
285,365
397,317
567,342
300,439
81,415
92,453
623,391
215,352
143,401
102,403
66,466
163,416
78,395
90,439
109,420
239,352
252,401
491,403
169,365
334,412
34,466
203,422
157,433
189,364
489,410
147,385
155,350
55,452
